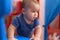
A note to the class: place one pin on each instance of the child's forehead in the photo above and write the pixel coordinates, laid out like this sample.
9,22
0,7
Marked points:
34,7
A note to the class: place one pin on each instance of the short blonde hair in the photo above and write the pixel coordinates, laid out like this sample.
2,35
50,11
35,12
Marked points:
27,3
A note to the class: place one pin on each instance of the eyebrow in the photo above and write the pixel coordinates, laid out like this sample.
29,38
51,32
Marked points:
35,10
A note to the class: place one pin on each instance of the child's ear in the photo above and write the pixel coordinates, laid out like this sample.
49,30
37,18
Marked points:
23,10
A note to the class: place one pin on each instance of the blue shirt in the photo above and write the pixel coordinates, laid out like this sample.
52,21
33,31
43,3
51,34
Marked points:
24,29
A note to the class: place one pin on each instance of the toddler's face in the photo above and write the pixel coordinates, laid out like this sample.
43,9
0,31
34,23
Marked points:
32,12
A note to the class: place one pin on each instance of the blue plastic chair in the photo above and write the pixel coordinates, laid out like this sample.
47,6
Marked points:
5,9
21,38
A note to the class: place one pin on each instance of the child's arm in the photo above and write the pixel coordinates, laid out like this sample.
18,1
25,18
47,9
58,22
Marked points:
38,32
11,31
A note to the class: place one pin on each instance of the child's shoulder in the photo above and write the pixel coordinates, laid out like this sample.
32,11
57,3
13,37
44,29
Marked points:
19,16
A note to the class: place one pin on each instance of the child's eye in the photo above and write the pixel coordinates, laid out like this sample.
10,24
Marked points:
33,11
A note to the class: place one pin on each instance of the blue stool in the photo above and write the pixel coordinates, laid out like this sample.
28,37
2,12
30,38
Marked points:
5,9
21,38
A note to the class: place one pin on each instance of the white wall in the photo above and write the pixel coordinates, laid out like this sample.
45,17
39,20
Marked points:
42,12
42,16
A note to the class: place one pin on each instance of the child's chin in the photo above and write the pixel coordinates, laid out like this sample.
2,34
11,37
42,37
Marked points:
33,19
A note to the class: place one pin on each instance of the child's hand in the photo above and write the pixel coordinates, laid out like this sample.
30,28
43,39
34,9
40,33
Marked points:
11,39
35,38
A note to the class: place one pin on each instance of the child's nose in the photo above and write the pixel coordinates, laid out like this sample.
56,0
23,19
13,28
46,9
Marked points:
36,15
